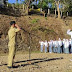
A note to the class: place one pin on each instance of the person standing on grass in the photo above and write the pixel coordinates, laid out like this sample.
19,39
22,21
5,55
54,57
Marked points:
41,46
66,46
63,42
50,46
46,45
69,45
69,32
55,46
59,46
12,42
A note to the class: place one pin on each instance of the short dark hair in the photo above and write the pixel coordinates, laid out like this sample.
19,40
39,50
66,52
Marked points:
12,22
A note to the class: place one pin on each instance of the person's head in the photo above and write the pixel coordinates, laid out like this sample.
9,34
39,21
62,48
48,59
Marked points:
12,23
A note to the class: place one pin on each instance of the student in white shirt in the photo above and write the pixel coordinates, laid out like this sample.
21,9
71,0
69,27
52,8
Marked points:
55,46
46,45
66,46
41,46
50,46
69,45
59,46
69,32
63,44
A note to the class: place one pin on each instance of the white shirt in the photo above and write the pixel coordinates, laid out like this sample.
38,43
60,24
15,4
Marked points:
60,42
66,44
41,42
69,32
63,41
50,43
55,43
69,41
46,43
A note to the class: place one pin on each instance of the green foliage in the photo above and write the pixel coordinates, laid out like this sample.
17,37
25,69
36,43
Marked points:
44,5
9,4
17,4
67,6
46,18
34,21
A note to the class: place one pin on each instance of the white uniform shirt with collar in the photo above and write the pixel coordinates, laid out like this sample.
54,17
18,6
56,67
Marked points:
41,42
50,43
46,43
56,43
69,32
53,43
69,41
63,41
66,44
60,42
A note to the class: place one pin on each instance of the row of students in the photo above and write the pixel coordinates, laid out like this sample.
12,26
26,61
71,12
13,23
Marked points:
56,46
60,46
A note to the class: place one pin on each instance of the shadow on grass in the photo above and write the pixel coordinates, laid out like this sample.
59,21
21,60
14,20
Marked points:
34,61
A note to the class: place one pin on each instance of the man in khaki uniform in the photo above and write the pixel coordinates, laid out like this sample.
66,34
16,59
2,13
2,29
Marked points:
12,37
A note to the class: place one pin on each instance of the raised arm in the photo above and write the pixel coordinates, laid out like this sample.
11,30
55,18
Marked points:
69,32
17,26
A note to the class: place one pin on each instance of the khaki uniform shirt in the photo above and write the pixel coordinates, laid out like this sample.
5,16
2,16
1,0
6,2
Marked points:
12,35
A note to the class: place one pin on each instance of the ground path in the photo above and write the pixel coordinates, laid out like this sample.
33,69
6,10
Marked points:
41,62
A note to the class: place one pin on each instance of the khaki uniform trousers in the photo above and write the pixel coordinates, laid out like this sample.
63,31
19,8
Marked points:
11,56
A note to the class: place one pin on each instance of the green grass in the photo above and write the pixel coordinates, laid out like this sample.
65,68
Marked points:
35,52
46,18
34,21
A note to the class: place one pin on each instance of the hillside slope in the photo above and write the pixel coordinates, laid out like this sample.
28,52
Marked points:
39,28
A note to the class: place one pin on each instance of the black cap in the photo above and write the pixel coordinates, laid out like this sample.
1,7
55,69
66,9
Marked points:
12,22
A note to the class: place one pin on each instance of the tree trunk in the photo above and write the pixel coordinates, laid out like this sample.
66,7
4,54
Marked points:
59,16
23,7
67,13
48,11
27,10
32,7
40,6
40,9
58,12
13,6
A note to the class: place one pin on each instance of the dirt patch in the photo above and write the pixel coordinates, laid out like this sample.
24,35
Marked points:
41,62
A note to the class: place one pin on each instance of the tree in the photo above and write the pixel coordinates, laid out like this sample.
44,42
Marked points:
57,2
27,3
67,6
5,2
